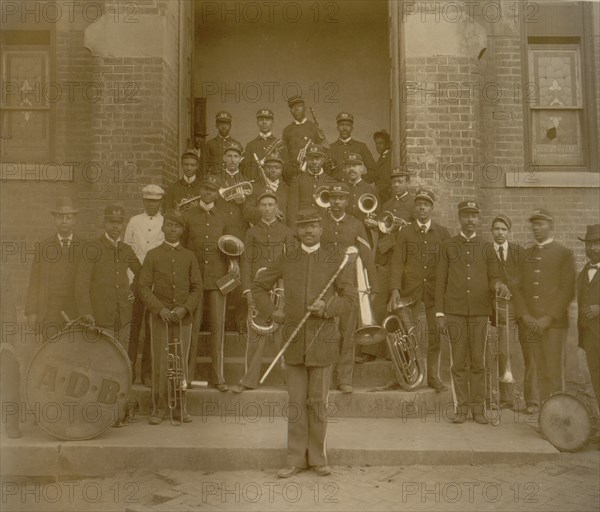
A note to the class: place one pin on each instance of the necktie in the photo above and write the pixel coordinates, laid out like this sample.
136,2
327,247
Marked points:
423,230
501,254
64,243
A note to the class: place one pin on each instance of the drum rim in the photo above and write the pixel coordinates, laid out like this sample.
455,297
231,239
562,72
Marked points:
76,328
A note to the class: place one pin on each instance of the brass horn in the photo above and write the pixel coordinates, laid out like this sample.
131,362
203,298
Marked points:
404,351
502,312
232,247
175,375
186,203
388,222
238,190
367,203
368,333
321,196
277,297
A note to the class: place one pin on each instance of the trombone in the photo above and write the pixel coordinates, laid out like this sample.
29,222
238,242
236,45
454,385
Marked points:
502,311
492,403
175,373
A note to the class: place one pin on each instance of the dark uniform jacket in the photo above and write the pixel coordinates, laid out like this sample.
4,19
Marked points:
203,229
102,285
171,277
233,211
295,137
250,208
304,277
304,187
403,208
260,146
588,294
546,283
180,190
414,261
53,276
263,244
357,190
338,151
214,149
380,175
466,275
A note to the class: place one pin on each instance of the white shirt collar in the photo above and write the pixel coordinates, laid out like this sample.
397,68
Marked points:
427,224
310,250
546,242
61,238
172,245
113,242
207,207
269,223
356,182
345,141
300,122
385,152
235,173
401,196
189,181
309,172
335,219
466,237
504,246
264,135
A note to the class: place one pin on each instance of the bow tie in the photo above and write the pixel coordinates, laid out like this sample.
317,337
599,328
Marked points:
593,265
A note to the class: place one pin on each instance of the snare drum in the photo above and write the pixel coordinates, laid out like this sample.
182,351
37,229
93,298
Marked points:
77,383
568,420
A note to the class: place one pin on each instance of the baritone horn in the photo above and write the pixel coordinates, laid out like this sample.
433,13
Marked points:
404,350
175,373
368,332
367,203
239,190
232,247
277,298
388,222
321,196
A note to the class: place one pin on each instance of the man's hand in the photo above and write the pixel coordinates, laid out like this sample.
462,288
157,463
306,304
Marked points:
178,313
394,300
165,315
278,316
371,223
250,299
530,322
591,311
235,267
317,308
442,324
31,321
503,291
87,319
544,322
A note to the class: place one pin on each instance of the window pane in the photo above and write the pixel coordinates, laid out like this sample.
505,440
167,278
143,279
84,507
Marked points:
26,78
557,137
25,135
556,73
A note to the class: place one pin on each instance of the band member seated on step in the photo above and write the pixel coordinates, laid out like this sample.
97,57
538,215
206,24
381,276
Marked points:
306,271
171,288
264,242
467,276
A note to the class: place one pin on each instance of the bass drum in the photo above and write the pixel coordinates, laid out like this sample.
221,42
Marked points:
77,383
568,421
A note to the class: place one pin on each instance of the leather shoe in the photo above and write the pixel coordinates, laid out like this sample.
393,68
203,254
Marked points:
239,388
437,384
322,470
185,419
532,408
478,417
461,417
155,420
222,387
345,388
288,471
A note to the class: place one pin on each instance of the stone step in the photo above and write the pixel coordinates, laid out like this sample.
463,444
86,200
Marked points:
213,443
269,402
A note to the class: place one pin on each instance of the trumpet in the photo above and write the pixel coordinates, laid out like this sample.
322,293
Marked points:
388,222
175,374
186,203
239,190
368,333
404,351
321,196
367,203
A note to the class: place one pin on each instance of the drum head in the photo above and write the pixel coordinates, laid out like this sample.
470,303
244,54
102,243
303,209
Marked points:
566,421
77,383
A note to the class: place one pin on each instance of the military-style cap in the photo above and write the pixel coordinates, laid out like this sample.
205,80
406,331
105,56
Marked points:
64,206
308,215
274,157
315,150
114,212
592,234
344,116
265,112
399,173
428,195
190,153
381,134
211,181
174,215
339,189
267,193
233,145
152,192
541,214
504,219
295,99
223,116
468,206
353,158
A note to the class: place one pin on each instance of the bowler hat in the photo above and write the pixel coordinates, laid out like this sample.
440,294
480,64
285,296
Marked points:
592,234
64,206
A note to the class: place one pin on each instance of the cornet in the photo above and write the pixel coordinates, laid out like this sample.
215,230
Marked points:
240,190
186,203
367,203
388,222
321,196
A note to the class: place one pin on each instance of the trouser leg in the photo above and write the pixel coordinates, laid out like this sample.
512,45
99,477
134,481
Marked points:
297,438
550,359
458,335
591,345
217,305
529,339
319,378
345,366
478,328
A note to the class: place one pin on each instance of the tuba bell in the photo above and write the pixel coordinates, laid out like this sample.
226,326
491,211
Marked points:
368,333
404,351
232,247
242,189
277,298
367,203
388,222
321,196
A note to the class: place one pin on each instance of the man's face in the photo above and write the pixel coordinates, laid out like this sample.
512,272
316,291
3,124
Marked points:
208,194
381,144
113,228
152,206
344,128
399,185
314,163
267,208
423,209
172,231
224,127
190,166
354,171
592,251
232,160
500,232
542,229
64,223
273,170
339,204
297,110
468,222
309,233
265,124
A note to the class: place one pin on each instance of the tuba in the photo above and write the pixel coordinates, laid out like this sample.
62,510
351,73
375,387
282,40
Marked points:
388,222
277,297
175,374
241,189
321,196
368,333
404,349
232,247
